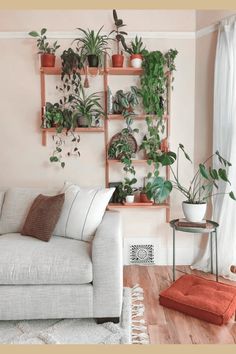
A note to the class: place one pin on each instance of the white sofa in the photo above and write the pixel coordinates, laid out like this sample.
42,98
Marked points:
62,278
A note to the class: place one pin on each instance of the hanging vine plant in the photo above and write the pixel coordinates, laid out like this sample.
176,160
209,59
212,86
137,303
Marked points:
154,80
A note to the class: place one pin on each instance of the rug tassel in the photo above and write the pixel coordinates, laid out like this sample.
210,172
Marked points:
139,328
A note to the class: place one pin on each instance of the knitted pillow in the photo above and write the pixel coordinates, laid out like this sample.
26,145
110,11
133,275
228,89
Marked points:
43,216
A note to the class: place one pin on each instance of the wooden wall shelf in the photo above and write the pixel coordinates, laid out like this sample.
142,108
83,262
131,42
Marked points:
135,161
57,71
94,71
112,206
77,130
135,117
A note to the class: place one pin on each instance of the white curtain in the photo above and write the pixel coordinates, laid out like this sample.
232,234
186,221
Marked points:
224,140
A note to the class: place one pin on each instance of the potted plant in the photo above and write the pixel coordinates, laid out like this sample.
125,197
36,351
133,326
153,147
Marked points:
154,80
200,189
46,50
118,58
129,190
125,101
136,51
92,46
71,61
53,116
121,149
143,198
87,108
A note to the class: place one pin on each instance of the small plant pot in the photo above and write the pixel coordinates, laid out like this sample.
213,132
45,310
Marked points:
117,60
82,122
93,60
194,212
143,198
136,61
129,199
48,60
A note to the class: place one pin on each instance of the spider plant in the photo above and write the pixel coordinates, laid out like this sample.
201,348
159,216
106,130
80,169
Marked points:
92,46
87,108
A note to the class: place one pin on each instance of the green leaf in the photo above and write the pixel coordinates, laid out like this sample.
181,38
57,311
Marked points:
213,173
185,153
232,196
223,175
161,189
167,158
203,171
34,34
43,31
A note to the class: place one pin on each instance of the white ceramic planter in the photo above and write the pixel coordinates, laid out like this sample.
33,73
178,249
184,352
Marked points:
136,63
194,212
129,199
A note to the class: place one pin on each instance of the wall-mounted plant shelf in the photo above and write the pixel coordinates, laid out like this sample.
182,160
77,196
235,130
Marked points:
135,117
77,130
57,71
123,71
135,161
112,206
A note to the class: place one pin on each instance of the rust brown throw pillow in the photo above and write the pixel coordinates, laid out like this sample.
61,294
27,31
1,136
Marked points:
43,216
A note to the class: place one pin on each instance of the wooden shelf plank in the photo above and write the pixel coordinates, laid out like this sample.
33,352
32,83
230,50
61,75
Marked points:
112,206
133,161
57,71
135,117
85,130
123,71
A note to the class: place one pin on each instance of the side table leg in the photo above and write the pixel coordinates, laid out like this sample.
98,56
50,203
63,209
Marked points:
216,254
211,240
173,254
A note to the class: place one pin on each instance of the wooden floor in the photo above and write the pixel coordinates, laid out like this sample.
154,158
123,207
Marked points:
167,326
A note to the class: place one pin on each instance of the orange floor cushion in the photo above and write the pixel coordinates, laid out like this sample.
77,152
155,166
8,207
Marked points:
207,300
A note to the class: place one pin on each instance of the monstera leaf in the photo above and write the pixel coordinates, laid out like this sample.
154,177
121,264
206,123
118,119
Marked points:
159,189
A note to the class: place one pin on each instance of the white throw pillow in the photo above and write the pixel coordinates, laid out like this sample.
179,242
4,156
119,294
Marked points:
16,205
82,211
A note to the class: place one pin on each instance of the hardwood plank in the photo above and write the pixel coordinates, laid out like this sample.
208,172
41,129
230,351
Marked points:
166,326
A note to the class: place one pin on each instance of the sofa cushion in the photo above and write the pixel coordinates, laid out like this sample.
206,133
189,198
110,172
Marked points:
27,260
43,216
82,211
16,205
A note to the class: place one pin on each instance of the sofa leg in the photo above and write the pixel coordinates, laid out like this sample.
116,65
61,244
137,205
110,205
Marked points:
107,319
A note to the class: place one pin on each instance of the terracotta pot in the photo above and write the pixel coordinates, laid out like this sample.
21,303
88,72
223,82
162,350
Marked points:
48,60
143,198
136,60
117,60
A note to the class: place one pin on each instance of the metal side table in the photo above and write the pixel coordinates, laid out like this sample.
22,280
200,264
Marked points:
210,230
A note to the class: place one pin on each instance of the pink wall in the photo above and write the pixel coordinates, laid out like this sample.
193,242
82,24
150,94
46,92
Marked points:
68,20
208,17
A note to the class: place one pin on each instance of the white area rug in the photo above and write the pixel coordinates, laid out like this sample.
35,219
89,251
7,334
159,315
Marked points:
131,328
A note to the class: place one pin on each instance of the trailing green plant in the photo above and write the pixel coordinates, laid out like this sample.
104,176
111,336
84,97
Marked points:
43,45
206,178
92,43
119,34
136,46
151,144
70,61
59,140
88,107
154,80
125,102
122,150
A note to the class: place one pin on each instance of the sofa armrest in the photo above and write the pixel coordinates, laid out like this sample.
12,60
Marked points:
107,262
